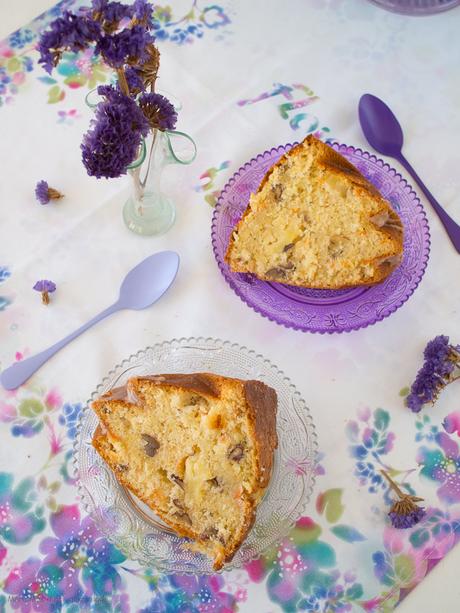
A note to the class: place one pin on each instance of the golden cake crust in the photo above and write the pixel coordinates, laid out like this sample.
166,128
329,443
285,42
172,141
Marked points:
385,219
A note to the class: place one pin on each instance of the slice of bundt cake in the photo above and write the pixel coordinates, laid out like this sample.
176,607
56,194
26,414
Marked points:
196,448
316,222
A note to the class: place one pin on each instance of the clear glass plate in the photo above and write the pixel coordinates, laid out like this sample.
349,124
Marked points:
132,526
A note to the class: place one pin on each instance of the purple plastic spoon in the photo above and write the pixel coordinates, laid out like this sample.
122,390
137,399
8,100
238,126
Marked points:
142,286
384,133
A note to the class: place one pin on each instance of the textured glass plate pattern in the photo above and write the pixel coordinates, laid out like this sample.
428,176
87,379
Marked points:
417,7
132,527
326,311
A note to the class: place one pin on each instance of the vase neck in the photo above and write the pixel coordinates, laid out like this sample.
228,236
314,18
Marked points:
161,148
147,176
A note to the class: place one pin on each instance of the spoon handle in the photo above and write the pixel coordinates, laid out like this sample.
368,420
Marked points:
452,228
19,372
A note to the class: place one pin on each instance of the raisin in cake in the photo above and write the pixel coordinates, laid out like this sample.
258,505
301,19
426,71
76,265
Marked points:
316,222
197,449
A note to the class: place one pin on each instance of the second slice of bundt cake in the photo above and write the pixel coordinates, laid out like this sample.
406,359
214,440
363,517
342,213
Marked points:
196,448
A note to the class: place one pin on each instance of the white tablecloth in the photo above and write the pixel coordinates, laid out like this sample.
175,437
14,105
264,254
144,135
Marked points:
338,50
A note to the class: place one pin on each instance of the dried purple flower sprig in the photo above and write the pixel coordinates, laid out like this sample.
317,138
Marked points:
44,193
404,513
441,367
114,138
46,288
121,35
119,32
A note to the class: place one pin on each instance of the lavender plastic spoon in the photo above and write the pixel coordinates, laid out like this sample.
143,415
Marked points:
384,133
142,286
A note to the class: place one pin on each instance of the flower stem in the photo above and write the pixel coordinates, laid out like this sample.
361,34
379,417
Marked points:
122,81
138,190
54,194
393,485
156,61
154,137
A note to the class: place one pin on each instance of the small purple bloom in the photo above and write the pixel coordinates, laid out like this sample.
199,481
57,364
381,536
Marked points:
72,32
114,138
401,521
99,6
134,80
414,403
426,383
441,359
405,512
109,92
125,47
46,288
142,10
159,111
114,12
41,192
44,193
437,349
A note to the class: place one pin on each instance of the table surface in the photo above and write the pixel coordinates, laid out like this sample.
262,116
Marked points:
432,126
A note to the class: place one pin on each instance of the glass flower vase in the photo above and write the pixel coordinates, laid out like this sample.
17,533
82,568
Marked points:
149,211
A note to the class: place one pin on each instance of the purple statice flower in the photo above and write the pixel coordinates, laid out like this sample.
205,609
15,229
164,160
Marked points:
41,192
426,383
46,288
142,11
134,80
44,193
414,403
109,92
441,360
114,138
129,46
71,32
99,6
405,512
437,349
159,111
402,521
110,14
114,12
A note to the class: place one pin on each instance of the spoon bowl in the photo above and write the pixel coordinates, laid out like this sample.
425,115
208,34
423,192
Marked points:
148,281
380,126
384,133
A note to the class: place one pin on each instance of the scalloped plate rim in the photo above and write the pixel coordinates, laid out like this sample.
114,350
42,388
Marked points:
307,422
340,146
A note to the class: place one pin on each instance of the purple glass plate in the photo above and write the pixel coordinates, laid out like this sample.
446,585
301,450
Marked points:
417,7
326,311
